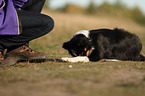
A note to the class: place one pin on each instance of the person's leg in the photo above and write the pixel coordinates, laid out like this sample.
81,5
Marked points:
34,5
34,25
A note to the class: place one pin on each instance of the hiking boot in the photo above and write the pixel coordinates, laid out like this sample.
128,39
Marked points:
7,61
26,53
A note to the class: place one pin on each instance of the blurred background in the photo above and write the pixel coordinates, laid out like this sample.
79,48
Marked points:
134,9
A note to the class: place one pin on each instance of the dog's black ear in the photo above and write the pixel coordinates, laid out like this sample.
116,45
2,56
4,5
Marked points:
66,45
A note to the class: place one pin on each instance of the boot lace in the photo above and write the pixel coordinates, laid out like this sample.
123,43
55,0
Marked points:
1,56
26,48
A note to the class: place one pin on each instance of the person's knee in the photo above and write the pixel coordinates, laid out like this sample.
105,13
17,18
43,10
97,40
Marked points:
48,24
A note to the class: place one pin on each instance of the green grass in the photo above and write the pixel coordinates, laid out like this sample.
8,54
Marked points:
83,79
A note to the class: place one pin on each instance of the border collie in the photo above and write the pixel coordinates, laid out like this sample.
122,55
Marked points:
105,44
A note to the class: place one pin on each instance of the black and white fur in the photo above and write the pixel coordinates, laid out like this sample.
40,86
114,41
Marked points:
105,44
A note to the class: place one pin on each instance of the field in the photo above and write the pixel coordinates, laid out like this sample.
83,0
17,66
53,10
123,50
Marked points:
54,78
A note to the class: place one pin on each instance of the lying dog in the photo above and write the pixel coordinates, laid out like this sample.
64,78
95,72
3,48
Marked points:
105,44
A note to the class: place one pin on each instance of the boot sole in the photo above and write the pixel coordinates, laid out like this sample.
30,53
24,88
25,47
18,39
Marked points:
35,59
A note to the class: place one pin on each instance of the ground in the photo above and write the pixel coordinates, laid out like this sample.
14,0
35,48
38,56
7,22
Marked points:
54,78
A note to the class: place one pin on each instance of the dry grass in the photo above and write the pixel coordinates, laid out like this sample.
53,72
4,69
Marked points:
83,79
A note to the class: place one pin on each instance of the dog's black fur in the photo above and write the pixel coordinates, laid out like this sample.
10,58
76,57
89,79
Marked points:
106,44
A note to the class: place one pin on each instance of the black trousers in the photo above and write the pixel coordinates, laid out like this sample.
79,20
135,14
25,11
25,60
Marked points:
34,25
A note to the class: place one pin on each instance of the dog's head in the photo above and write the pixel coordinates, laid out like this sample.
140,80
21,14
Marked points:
79,45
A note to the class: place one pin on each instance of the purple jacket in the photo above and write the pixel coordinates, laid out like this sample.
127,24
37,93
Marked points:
9,22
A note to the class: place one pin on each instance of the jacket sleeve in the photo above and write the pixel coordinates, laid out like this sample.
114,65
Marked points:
9,21
19,3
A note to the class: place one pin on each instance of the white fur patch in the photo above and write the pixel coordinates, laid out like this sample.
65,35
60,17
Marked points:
84,32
